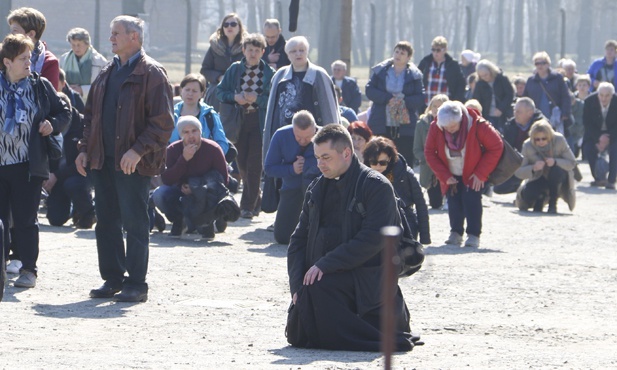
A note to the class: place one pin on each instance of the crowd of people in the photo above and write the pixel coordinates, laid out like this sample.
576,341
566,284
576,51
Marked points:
107,144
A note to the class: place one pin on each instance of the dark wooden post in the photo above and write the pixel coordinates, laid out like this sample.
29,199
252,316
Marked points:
189,42
389,240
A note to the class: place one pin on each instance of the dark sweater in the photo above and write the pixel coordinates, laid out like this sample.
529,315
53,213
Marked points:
208,156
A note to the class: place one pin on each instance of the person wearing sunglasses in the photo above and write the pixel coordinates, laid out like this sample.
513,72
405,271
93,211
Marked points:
442,74
225,49
462,149
381,155
549,92
548,167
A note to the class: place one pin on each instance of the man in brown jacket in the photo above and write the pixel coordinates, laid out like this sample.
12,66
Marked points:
127,124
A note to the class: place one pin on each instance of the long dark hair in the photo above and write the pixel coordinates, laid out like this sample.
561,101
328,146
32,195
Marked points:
378,145
221,31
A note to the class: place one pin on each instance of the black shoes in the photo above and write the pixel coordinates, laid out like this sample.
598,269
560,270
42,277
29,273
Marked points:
177,229
130,294
208,232
104,291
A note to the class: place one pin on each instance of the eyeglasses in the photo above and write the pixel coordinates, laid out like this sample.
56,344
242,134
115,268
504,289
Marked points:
540,139
436,50
381,163
541,63
230,24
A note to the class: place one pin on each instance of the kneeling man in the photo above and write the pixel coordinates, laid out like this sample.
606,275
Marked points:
334,256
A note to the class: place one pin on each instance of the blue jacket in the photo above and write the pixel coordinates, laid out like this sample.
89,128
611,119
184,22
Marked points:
282,154
352,97
595,67
347,113
555,86
377,93
204,109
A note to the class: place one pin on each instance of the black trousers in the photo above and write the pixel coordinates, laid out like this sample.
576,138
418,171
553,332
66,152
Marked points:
543,187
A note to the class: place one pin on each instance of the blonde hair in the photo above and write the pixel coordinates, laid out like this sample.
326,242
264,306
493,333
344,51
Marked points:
439,98
541,55
542,126
440,41
474,104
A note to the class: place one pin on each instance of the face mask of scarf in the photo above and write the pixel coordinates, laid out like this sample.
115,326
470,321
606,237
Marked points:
15,108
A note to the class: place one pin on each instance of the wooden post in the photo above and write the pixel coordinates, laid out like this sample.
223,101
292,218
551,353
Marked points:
189,42
389,241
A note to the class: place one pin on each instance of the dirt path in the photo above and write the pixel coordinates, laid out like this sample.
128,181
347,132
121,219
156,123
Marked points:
540,292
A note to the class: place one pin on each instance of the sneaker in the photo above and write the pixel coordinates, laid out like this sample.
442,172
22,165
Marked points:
472,241
245,213
598,183
270,228
208,233
454,239
610,185
26,279
13,267
257,211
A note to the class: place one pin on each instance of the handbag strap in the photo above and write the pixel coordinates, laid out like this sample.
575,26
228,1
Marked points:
547,94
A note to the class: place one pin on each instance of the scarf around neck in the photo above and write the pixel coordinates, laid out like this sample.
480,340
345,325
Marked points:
15,103
78,71
38,57
456,141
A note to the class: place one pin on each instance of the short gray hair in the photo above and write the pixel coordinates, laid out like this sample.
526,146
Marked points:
131,24
338,63
292,42
488,66
568,63
526,102
78,34
450,111
303,120
272,23
606,86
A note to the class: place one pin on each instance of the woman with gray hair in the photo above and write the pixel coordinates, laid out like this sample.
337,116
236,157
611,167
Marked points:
462,149
494,92
83,63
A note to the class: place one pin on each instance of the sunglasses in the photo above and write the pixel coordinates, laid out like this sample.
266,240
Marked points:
436,50
381,163
541,63
230,24
540,139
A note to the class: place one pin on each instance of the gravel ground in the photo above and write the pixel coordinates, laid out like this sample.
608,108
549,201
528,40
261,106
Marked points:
537,294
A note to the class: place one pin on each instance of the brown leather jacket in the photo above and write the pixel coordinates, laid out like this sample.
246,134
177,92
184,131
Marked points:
144,119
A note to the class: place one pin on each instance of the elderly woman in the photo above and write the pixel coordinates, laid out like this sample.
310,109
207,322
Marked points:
31,110
494,92
382,156
360,135
468,61
548,165
428,180
225,49
83,63
397,92
462,149
299,86
549,91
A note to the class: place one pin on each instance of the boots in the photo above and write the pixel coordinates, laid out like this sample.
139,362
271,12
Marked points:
552,205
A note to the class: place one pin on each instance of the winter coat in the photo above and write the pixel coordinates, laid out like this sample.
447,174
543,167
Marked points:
483,149
204,109
98,62
352,97
564,158
595,66
278,47
556,88
413,89
409,191
144,117
453,74
419,140
360,249
503,91
511,130
592,118
218,58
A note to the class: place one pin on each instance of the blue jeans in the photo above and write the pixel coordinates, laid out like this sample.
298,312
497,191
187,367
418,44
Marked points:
122,204
465,204
75,190
20,195
167,199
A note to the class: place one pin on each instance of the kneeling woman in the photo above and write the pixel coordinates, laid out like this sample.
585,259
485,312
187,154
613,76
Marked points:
548,165
381,155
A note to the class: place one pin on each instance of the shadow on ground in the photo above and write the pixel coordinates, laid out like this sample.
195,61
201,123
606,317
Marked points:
448,249
273,250
302,356
88,309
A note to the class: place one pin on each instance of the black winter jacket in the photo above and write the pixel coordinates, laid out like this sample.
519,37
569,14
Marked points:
409,190
453,74
504,93
53,109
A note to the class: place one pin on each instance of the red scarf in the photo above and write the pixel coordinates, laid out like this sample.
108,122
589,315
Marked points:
456,141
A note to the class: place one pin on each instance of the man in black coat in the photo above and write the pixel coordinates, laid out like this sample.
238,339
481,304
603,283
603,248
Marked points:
352,97
600,121
275,55
334,256
442,74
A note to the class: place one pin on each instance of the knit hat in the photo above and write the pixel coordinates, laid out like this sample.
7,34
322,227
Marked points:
187,120
471,56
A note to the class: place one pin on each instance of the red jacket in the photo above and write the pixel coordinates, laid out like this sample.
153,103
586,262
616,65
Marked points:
481,133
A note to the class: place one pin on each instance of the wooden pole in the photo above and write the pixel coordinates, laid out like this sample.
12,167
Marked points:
189,42
389,241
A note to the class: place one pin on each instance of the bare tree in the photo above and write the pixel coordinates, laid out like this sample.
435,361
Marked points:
518,32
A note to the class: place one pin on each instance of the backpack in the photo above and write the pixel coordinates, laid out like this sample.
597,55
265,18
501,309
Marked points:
232,152
410,251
